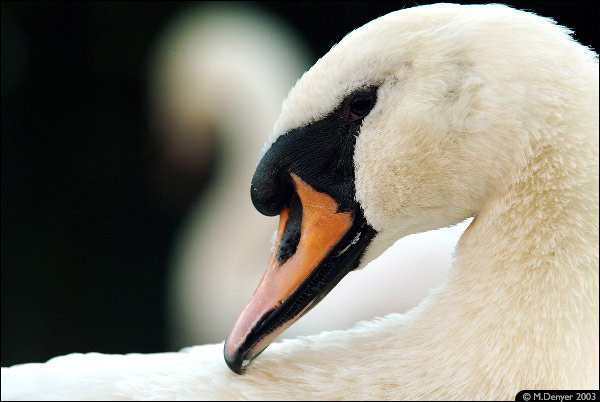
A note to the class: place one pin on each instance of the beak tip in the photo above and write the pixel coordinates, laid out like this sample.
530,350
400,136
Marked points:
234,361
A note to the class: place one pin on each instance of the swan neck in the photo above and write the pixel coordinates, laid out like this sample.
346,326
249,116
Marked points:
546,219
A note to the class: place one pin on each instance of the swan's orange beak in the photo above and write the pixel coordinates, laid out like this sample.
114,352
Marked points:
295,280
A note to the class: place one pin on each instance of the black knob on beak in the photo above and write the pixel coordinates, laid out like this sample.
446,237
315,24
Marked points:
271,187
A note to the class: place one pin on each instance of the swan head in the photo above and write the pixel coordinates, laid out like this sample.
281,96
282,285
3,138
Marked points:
410,123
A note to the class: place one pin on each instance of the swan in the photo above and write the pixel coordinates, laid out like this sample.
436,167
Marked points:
416,120
194,94
209,61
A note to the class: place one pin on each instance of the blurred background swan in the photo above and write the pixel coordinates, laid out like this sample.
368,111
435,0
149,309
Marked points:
220,75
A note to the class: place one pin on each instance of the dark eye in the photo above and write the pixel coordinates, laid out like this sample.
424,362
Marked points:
359,107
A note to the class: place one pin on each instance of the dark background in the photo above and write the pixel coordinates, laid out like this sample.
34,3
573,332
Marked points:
86,233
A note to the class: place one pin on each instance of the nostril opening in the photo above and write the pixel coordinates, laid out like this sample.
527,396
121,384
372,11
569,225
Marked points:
288,247
293,229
